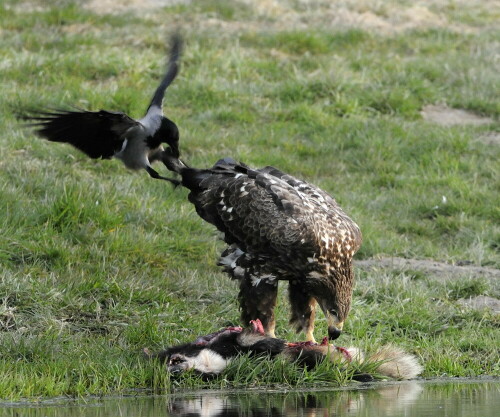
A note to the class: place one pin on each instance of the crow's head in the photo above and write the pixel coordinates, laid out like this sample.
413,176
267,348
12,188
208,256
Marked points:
169,133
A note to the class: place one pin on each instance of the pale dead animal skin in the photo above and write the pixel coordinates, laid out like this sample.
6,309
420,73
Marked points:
210,356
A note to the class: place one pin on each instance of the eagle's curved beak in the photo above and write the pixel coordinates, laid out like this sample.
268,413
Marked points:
334,326
334,332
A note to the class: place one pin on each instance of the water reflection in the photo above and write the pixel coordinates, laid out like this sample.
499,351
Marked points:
390,400
458,399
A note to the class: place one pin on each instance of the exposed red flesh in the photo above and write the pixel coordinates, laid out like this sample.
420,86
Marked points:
345,352
257,326
203,340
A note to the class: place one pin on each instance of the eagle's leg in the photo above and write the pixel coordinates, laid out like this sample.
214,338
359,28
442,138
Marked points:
257,299
303,308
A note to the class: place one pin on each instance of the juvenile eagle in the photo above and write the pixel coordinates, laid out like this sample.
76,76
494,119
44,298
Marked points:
277,228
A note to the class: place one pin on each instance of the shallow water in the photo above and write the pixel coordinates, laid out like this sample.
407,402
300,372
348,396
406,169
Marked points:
460,398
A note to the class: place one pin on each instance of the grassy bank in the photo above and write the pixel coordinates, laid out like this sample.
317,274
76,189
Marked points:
97,262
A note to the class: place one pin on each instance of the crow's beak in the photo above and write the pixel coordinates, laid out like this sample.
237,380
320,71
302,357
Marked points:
174,150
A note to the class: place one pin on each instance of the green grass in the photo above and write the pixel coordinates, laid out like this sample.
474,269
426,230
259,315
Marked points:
97,262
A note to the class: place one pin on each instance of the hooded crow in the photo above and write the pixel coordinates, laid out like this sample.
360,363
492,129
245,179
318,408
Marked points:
104,134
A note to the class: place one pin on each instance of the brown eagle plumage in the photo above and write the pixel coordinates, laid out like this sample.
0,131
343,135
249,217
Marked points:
277,228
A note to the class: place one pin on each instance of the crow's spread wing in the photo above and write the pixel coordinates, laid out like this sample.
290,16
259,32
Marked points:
98,134
171,73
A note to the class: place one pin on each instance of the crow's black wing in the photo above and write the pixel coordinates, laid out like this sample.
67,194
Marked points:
98,134
171,73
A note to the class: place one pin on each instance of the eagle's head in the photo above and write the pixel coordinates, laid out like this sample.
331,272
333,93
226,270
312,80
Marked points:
333,293
335,314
